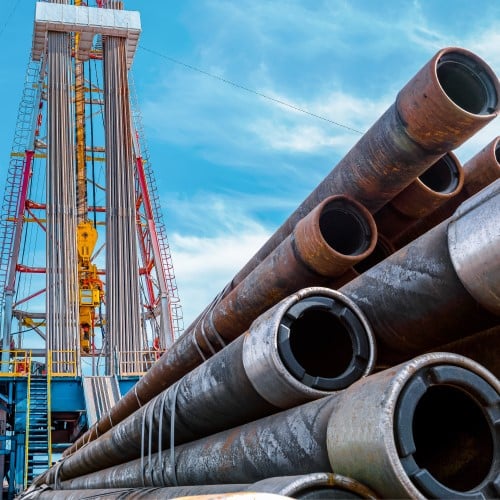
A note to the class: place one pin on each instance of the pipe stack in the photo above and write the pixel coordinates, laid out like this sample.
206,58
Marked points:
62,280
122,279
281,375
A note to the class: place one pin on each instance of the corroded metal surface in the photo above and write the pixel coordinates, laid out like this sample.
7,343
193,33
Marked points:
441,182
445,103
424,429
481,347
452,97
288,443
479,172
312,343
371,431
474,245
415,299
334,236
308,486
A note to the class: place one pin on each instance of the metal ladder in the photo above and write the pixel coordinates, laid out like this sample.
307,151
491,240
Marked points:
37,450
23,136
166,256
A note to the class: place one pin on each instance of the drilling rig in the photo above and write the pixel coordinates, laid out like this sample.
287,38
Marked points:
335,356
88,293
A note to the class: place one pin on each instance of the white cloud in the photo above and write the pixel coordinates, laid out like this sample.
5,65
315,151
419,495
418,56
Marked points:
486,44
204,265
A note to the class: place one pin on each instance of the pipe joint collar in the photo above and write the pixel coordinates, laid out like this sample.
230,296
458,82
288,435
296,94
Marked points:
473,243
312,343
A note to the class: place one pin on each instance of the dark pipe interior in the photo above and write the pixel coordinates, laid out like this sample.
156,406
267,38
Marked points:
344,229
381,251
324,493
443,176
452,438
497,152
331,352
467,83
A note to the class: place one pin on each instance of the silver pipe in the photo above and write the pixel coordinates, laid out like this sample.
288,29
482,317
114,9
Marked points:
425,428
122,287
474,243
308,486
62,279
311,344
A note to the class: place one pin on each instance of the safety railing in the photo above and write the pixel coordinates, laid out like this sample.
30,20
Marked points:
17,365
27,430
134,363
49,416
63,363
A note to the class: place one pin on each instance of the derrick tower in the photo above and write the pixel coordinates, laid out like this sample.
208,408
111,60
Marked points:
87,286
81,185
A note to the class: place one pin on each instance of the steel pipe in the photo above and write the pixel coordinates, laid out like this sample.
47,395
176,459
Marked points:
61,256
308,486
442,181
124,337
480,171
333,237
452,97
474,246
482,347
425,295
374,431
427,429
314,486
307,346
445,103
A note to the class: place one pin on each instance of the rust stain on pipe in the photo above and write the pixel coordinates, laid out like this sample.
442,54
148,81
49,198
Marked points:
441,182
337,234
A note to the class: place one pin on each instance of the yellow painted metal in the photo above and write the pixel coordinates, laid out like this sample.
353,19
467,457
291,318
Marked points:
91,287
18,363
86,240
128,361
27,432
27,321
62,363
49,409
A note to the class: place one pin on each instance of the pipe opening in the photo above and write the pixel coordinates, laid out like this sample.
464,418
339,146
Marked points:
497,152
323,343
452,438
344,228
330,353
447,434
382,250
467,82
443,176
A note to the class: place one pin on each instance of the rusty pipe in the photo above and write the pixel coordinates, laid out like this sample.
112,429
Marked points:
480,171
287,443
452,97
456,92
336,235
312,343
482,347
333,237
437,436
439,288
357,432
442,181
314,485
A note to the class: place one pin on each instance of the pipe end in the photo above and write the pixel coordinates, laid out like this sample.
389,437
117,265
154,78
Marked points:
447,433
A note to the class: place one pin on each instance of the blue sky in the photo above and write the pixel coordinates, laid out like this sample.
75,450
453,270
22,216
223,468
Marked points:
230,166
